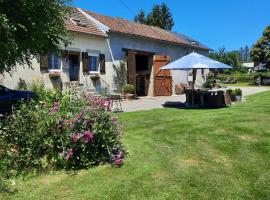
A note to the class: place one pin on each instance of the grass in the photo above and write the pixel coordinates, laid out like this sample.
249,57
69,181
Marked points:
176,154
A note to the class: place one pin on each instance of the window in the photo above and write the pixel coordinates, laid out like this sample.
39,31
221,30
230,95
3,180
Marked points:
78,22
93,62
54,62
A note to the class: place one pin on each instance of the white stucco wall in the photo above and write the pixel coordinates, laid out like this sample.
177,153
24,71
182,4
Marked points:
80,43
83,43
175,51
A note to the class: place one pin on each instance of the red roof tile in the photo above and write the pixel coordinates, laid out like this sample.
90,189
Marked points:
89,28
133,28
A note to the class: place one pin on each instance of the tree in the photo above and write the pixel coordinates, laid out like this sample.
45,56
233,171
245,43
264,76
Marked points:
140,17
246,54
260,52
231,58
160,16
30,28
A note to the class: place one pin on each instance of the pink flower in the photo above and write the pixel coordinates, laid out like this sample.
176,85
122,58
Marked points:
102,103
114,120
86,122
66,122
72,126
118,161
69,154
76,137
88,136
55,106
109,104
79,115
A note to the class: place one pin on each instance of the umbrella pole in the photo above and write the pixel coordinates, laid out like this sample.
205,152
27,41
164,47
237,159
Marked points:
194,72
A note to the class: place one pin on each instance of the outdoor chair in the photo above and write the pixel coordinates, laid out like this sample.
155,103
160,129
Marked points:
116,99
214,99
195,95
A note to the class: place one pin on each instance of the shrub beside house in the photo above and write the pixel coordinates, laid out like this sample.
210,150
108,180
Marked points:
60,130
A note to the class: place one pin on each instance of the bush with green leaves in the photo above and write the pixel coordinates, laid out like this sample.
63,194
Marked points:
128,89
60,130
237,92
240,77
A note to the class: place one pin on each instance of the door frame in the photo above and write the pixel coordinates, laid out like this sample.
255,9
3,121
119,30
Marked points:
131,65
75,53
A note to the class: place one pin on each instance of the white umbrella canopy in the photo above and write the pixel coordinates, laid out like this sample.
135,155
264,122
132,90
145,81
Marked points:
195,61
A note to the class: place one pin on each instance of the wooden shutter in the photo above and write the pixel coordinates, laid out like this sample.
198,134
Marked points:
85,63
132,68
44,64
162,79
64,59
102,63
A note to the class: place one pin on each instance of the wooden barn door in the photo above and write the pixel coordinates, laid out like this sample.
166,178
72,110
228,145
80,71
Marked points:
162,79
132,68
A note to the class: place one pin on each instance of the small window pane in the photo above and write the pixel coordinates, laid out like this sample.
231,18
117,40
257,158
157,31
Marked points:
54,62
93,63
50,63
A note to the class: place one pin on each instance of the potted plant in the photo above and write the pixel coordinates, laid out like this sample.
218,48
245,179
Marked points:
237,93
128,91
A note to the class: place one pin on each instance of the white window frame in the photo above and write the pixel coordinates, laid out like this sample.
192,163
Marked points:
98,64
60,63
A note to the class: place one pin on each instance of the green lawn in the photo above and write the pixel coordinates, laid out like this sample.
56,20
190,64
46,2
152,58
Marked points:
177,154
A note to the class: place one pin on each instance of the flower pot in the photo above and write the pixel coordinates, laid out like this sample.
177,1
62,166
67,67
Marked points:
54,73
129,97
238,98
94,76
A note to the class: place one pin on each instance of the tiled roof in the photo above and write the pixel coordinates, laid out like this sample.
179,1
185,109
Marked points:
89,28
190,41
128,27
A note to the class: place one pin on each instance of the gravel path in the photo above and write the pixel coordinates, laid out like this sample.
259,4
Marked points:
251,90
149,103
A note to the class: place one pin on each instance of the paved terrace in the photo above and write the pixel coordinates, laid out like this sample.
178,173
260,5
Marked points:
148,103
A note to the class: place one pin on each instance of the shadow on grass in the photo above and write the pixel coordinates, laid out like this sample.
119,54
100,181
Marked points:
181,105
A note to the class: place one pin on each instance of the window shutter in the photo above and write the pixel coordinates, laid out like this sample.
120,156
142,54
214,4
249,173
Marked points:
85,62
64,58
132,68
44,62
102,63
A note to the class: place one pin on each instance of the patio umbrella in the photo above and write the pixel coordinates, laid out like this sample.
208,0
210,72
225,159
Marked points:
194,61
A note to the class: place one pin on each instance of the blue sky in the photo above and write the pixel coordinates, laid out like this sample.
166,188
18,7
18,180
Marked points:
216,23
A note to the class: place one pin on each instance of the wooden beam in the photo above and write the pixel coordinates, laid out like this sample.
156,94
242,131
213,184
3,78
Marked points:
139,52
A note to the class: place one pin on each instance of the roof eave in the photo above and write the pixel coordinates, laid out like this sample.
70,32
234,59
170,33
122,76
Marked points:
92,34
166,41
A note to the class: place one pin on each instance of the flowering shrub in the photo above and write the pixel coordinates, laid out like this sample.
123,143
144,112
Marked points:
68,130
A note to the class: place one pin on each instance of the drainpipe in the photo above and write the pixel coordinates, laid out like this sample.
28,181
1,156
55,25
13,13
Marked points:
109,46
